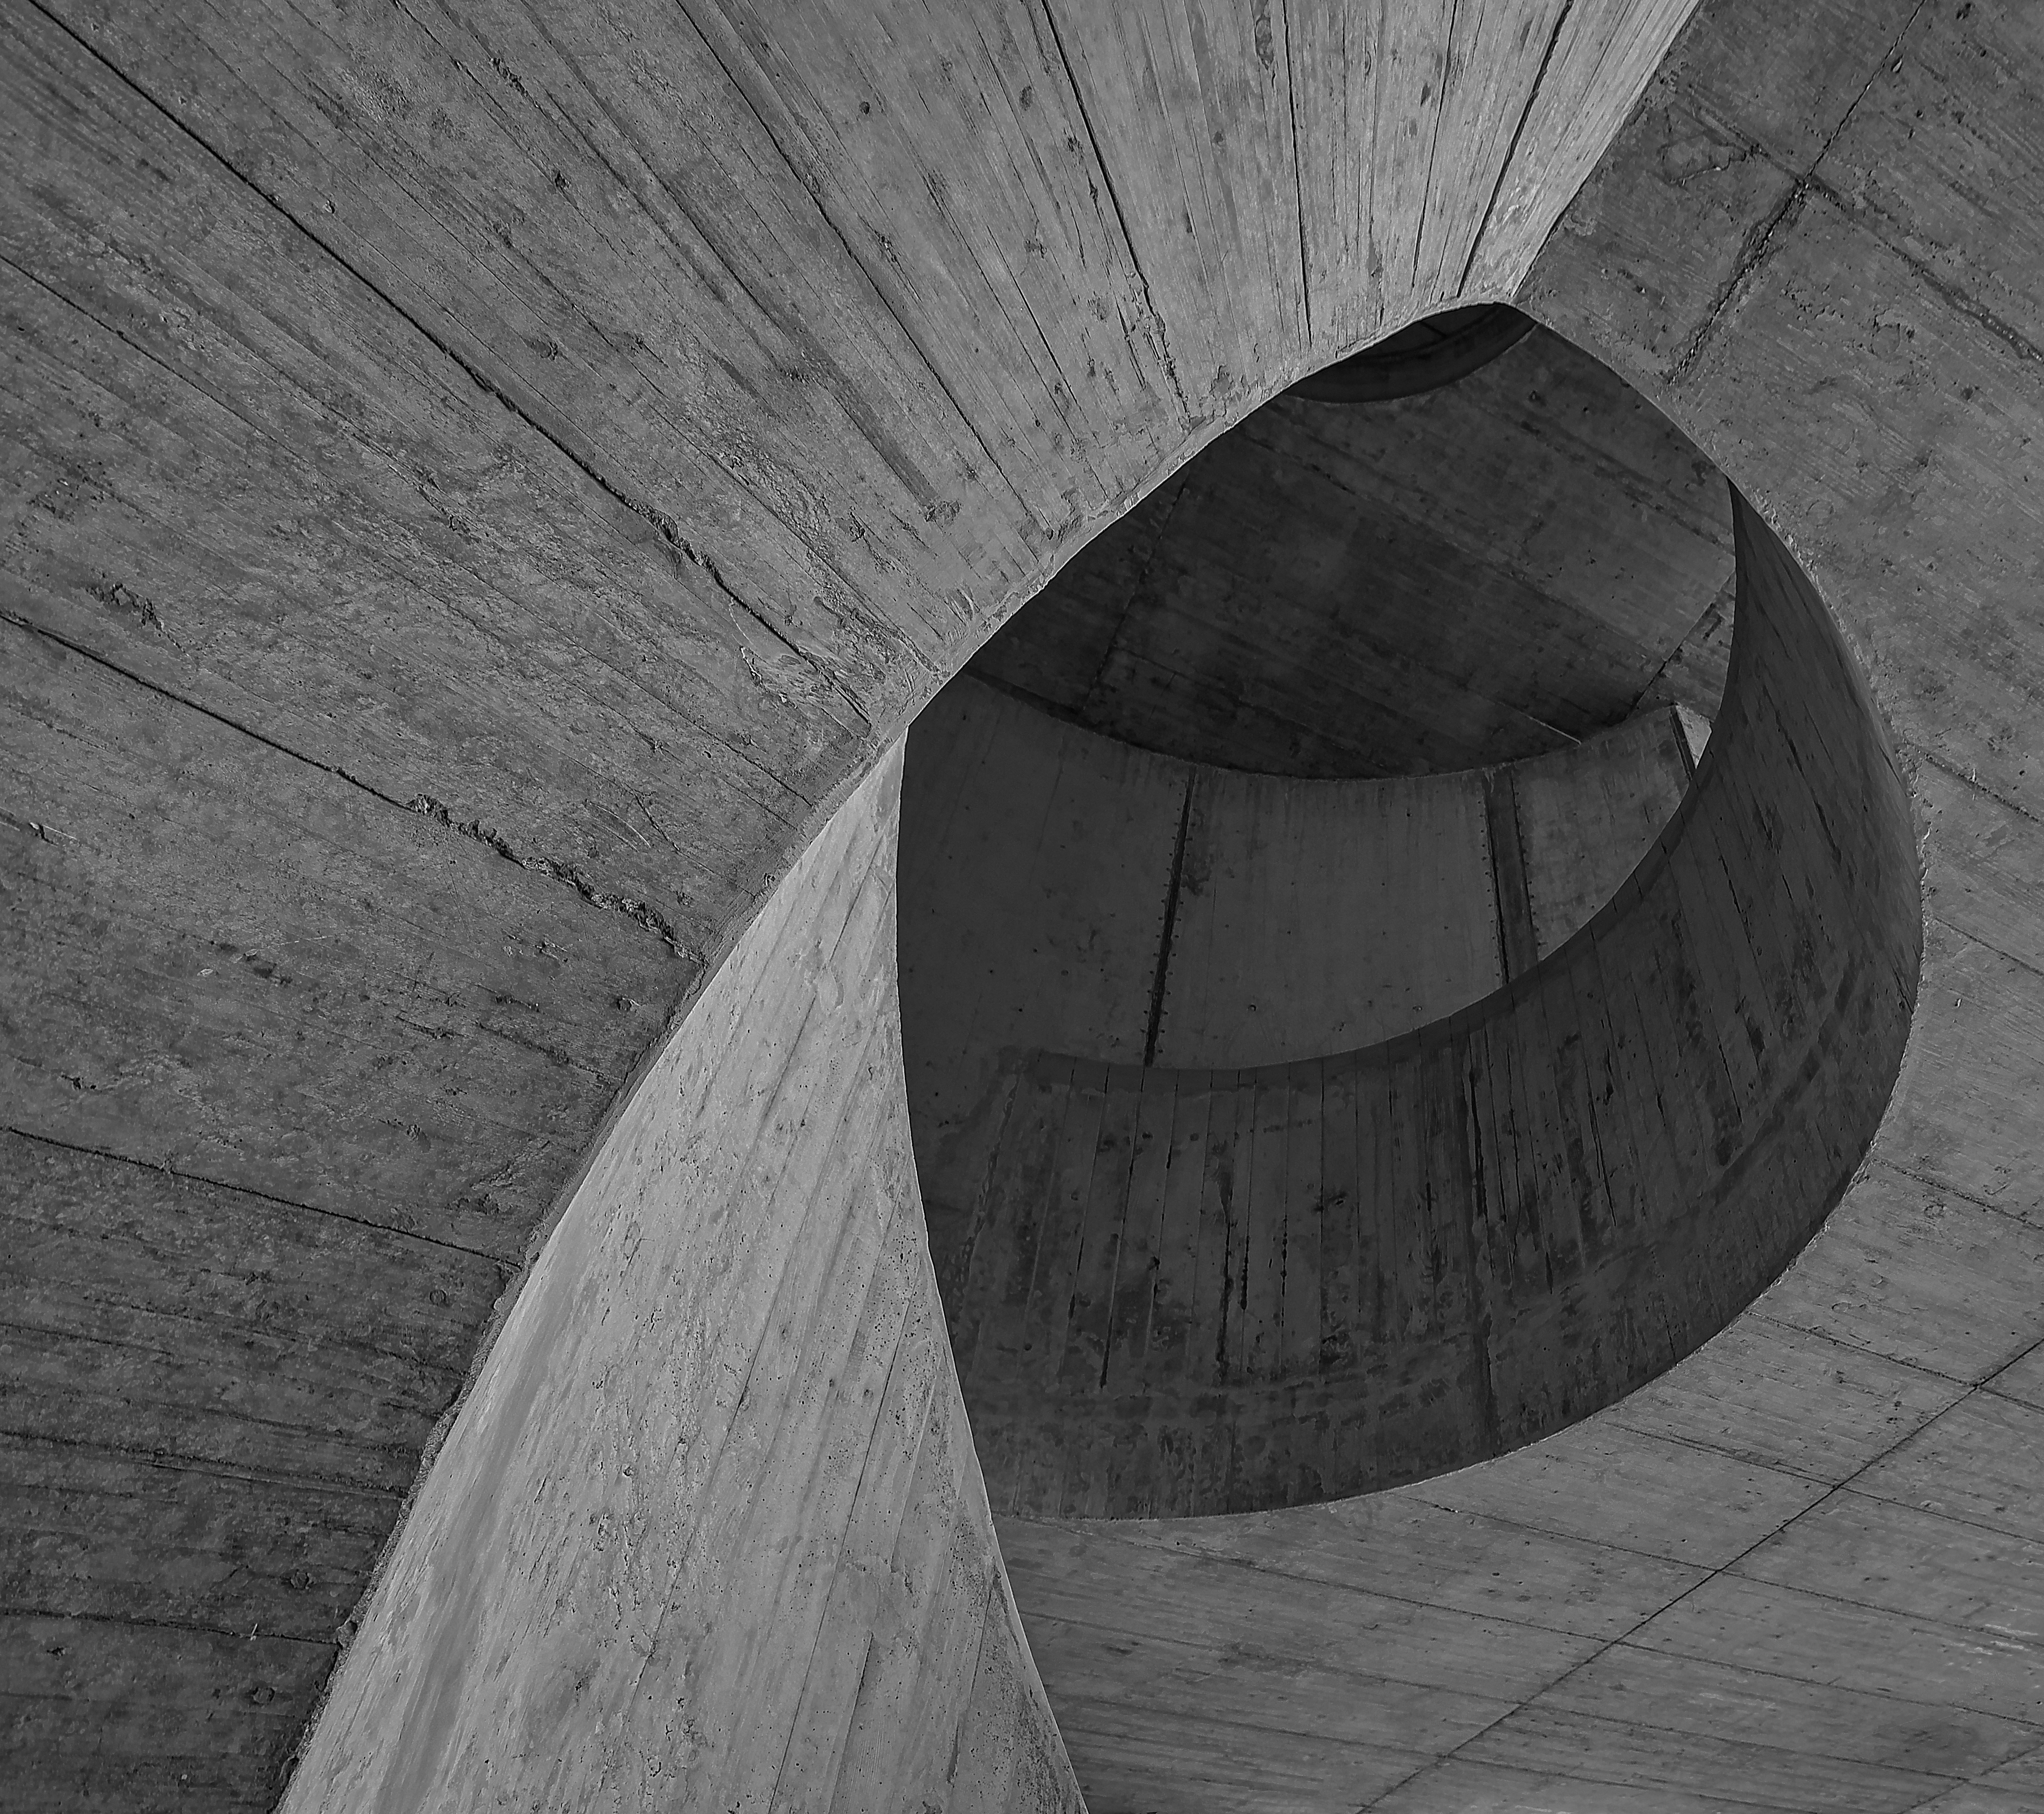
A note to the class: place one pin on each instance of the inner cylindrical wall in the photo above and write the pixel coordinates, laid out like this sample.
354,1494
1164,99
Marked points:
1064,892
1187,1290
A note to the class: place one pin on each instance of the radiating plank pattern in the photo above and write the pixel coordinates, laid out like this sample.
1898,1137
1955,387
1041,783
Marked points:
480,484
1195,1291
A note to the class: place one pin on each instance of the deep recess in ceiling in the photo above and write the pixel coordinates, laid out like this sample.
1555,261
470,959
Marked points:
1424,357
1496,569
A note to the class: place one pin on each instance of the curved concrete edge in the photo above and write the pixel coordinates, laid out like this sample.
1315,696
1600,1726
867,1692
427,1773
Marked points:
710,1525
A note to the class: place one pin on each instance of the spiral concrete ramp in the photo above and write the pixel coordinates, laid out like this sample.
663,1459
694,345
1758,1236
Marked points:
486,491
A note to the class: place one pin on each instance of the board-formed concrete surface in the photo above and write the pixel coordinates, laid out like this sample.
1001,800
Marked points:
710,1530
479,490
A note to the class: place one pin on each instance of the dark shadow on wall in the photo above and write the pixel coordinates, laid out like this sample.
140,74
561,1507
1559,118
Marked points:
1190,1291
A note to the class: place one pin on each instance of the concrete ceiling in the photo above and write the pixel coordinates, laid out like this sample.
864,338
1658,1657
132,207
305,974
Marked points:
1488,571
479,489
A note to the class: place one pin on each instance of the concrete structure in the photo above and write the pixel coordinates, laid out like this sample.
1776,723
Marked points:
485,492
1064,895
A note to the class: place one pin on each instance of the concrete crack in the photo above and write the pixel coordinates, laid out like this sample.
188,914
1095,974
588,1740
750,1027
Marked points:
633,909
1759,240
639,912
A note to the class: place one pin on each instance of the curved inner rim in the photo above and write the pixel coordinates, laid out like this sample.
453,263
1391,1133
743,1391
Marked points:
1421,357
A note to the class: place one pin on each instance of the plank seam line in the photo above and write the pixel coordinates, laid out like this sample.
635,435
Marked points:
1511,150
1332,1587
1758,1745
215,1327
1298,171
1120,1629
1930,1802
647,917
1977,312
1943,1517
176,376
1938,1185
1806,1681
1697,1446
1728,1568
1168,930
1210,1719
1120,217
136,1620
169,1171
665,525
325,1486
1434,142
1972,781
1759,1313
1746,1668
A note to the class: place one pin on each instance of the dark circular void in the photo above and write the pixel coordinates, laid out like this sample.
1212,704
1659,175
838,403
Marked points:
1421,357
1197,1292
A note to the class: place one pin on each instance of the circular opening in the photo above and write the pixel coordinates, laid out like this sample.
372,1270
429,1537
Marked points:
1286,1135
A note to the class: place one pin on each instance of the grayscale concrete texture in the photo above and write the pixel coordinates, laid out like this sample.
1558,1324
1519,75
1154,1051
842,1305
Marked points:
484,493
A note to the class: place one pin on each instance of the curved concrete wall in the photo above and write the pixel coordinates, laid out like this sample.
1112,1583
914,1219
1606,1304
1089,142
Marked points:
1064,892
1204,1291
709,1530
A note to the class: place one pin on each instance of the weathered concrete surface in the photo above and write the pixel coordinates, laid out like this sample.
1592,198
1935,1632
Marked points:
442,495
710,1529
1466,577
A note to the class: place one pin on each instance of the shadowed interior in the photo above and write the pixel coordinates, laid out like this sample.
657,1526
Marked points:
1196,1290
